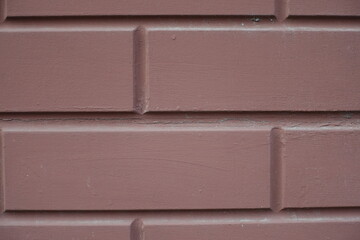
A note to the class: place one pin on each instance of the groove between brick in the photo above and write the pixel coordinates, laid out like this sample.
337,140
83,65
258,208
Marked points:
276,170
137,230
142,214
141,88
281,9
2,175
3,10
291,119
139,220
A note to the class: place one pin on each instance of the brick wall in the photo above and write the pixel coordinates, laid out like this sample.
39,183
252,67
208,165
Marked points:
203,120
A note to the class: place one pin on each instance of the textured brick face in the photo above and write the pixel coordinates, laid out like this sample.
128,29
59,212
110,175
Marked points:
321,167
174,120
265,67
69,69
129,169
139,7
324,7
271,230
254,69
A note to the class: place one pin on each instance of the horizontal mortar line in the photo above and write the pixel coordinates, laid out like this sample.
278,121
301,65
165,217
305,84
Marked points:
67,29
178,20
173,116
120,114
101,29
182,128
187,212
161,17
126,129
180,217
178,26
244,124
224,125
255,29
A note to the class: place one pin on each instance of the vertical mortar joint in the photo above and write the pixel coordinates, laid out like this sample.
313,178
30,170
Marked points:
141,91
3,10
137,230
276,171
282,9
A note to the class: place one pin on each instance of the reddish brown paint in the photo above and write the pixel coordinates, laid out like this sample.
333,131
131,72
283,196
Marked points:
281,8
255,227
197,67
138,7
3,10
254,68
320,167
324,7
45,163
105,174
66,69
128,168
252,225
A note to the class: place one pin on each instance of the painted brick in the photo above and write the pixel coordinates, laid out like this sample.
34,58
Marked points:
256,231
254,68
139,7
324,7
3,10
61,226
61,232
162,7
66,68
125,168
207,176
246,226
320,167
251,225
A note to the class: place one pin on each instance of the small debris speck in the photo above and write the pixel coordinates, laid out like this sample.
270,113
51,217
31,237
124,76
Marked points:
348,115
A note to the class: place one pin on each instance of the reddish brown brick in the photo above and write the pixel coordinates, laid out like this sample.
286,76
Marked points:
130,168
252,226
283,165
324,7
64,226
139,7
66,68
256,231
255,68
320,167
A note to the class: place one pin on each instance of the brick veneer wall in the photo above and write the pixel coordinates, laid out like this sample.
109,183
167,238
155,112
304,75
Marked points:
203,120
